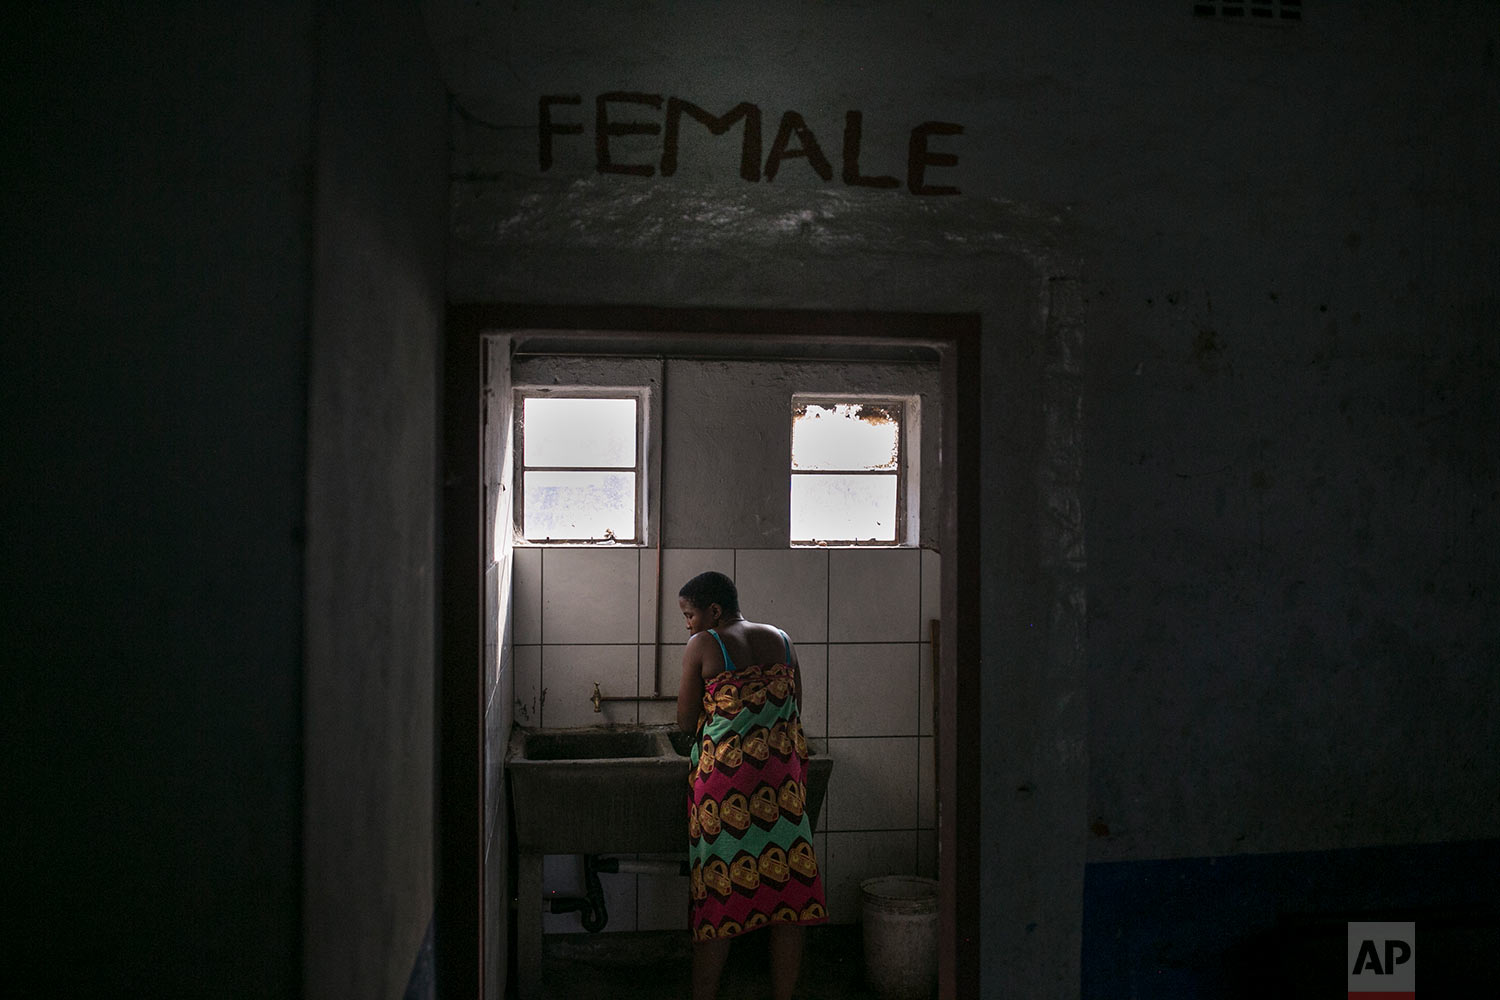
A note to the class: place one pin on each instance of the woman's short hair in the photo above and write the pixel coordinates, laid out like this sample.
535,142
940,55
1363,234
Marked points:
711,588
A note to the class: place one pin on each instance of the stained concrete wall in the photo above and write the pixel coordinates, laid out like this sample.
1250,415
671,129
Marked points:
218,723
1293,390
1281,252
369,801
728,441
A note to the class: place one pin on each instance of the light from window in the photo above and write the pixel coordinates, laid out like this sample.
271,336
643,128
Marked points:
846,466
578,468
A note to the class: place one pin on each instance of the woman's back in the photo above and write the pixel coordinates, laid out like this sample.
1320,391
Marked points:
747,644
749,835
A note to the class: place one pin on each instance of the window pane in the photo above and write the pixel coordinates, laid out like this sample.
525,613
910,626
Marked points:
582,432
844,508
845,436
575,505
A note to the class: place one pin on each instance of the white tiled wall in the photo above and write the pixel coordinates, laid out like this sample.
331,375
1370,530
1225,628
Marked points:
874,595
787,587
590,596
859,620
873,688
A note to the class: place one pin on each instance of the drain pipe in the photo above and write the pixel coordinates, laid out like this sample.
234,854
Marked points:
590,906
642,866
656,695
661,527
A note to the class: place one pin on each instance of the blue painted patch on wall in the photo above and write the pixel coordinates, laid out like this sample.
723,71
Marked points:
1259,925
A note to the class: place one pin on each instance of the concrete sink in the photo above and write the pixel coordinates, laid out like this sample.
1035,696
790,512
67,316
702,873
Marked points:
606,790
617,790
596,791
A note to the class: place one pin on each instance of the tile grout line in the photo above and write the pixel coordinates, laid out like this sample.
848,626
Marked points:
638,638
827,637
541,639
916,859
827,658
635,894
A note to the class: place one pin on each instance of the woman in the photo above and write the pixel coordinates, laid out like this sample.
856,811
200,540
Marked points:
750,841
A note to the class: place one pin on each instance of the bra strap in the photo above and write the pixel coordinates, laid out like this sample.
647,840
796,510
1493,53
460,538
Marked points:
786,644
728,663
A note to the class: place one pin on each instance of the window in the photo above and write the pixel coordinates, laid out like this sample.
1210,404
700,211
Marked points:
580,458
848,470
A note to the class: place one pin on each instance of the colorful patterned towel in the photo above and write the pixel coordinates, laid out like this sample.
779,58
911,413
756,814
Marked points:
750,841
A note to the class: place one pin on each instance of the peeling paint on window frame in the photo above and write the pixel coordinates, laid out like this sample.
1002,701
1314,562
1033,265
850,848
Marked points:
908,449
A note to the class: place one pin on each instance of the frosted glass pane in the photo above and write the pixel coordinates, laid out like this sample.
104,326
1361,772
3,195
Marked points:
584,432
844,508
573,505
846,436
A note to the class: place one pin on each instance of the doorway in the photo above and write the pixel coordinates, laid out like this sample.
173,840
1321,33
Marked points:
473,889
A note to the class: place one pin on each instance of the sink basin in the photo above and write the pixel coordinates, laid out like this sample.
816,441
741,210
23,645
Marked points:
681,742
601,790
591,744
592,791
620,789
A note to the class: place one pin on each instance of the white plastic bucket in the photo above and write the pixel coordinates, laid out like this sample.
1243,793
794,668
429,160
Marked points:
901,931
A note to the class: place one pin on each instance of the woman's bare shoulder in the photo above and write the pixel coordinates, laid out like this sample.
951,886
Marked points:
764,628
700,653
768,640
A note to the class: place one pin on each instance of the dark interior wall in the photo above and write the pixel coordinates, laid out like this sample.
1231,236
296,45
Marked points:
1293,509
1292,465
1285,246
157,274
217,608
377,308
1288,247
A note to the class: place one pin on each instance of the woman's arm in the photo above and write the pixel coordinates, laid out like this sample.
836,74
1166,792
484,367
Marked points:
690,688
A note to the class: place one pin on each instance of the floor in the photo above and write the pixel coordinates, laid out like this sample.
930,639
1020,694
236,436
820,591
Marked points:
654,966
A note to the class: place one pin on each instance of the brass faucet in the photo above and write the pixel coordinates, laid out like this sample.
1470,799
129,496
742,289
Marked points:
598,697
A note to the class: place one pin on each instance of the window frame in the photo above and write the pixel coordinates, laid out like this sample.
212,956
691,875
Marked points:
642,469
908,445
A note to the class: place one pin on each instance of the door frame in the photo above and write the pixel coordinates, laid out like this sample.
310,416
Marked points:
461,921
